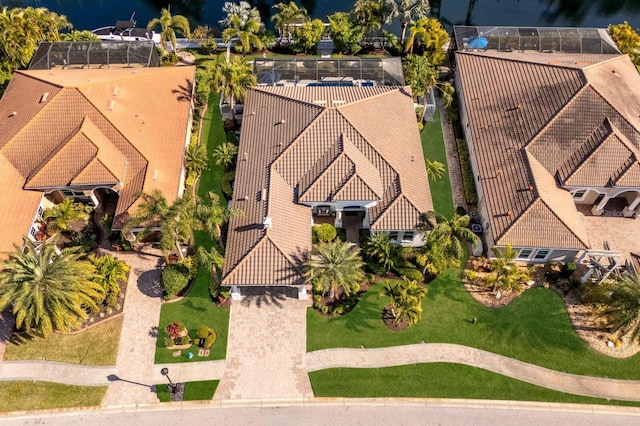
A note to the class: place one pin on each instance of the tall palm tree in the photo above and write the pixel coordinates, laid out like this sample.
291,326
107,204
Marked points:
110,271
506,274
215,260
288,15
169,26
406,300
179,225
422,76
196,159
151,212
451,234
48,291
433,258
335,267
231,79
61,216
407,10
623,311
225,154
213,215
382,250
242,10
245,32
368,14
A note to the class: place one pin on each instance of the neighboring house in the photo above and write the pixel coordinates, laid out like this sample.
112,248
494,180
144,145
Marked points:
554,139
347,155
85,133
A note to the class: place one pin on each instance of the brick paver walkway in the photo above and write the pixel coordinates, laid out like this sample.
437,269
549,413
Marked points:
453,163
625,390
267,345
135,372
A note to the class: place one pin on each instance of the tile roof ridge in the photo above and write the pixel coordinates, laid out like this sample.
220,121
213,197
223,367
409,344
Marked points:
264,90
585,158
296,141
520,217
604,61
604,98
519,60
40,79
246,256
325,172
556,116
587,243
384,91
93,160
393,202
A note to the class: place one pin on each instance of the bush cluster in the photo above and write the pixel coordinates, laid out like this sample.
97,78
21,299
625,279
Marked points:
174,279
468,183
324,233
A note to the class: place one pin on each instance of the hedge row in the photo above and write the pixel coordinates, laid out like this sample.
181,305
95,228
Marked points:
468,183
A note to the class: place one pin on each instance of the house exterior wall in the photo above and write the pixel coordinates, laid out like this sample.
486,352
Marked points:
405,238
541,254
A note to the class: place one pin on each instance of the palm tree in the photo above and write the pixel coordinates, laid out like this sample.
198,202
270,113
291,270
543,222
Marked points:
406,300
196,159
407,10
506,274
215,260
431,35
152,211
335,267
242,10
435,169
451,234
289,14
213,215
369,14
245,32
76,35
169,26
623,310
46,290
422,76
179,225
110,271
382,250
225,154
62,215
231,79
433,259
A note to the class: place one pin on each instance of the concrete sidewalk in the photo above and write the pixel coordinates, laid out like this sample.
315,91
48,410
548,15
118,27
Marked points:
598,387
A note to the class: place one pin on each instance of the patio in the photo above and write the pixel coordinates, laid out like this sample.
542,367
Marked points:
620,233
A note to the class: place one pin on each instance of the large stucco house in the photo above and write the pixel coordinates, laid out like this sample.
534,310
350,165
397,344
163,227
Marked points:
554,140
347,155
83,133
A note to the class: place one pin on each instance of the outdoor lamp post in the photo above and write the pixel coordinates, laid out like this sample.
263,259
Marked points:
165,372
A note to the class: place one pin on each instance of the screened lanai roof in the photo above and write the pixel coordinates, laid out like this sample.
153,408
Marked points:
329,72
539,39
94,54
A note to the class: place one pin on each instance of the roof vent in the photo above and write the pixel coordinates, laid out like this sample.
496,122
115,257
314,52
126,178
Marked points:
281,121
267,222
508,213
338,102
245,198
44,97
13,114
245,156
155,174
320,102
263,194
530,188
115,91
112,103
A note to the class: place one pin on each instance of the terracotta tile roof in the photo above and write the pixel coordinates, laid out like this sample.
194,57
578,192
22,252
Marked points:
98,126
305,144
572,121
17,207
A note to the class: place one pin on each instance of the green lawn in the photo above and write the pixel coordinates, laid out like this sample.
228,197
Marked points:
95,346
31,395
193,391
197,309
437,380
534,328
434,149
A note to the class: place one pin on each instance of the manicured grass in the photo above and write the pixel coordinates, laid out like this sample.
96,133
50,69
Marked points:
29,395
434,149
534,328
437,380
197,308
95,346
193,391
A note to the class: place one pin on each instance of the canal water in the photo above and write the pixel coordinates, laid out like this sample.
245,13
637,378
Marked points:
90,14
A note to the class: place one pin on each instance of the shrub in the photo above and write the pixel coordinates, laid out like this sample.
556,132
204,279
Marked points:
411,274
210,339
324,233
174,279
468,182
191,263
175,329
567,269
460,211
231,137
226,180
203,332
168,342
184,340
169,59
420,126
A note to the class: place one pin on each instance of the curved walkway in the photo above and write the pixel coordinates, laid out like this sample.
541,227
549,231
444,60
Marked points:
598,387
57,372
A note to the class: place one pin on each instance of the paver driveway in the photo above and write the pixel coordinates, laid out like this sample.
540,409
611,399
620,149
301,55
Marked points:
267,345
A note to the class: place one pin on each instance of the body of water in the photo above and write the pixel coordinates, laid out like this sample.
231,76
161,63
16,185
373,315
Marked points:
90,14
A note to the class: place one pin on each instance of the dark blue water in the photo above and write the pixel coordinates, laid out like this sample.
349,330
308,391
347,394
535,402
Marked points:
90,14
